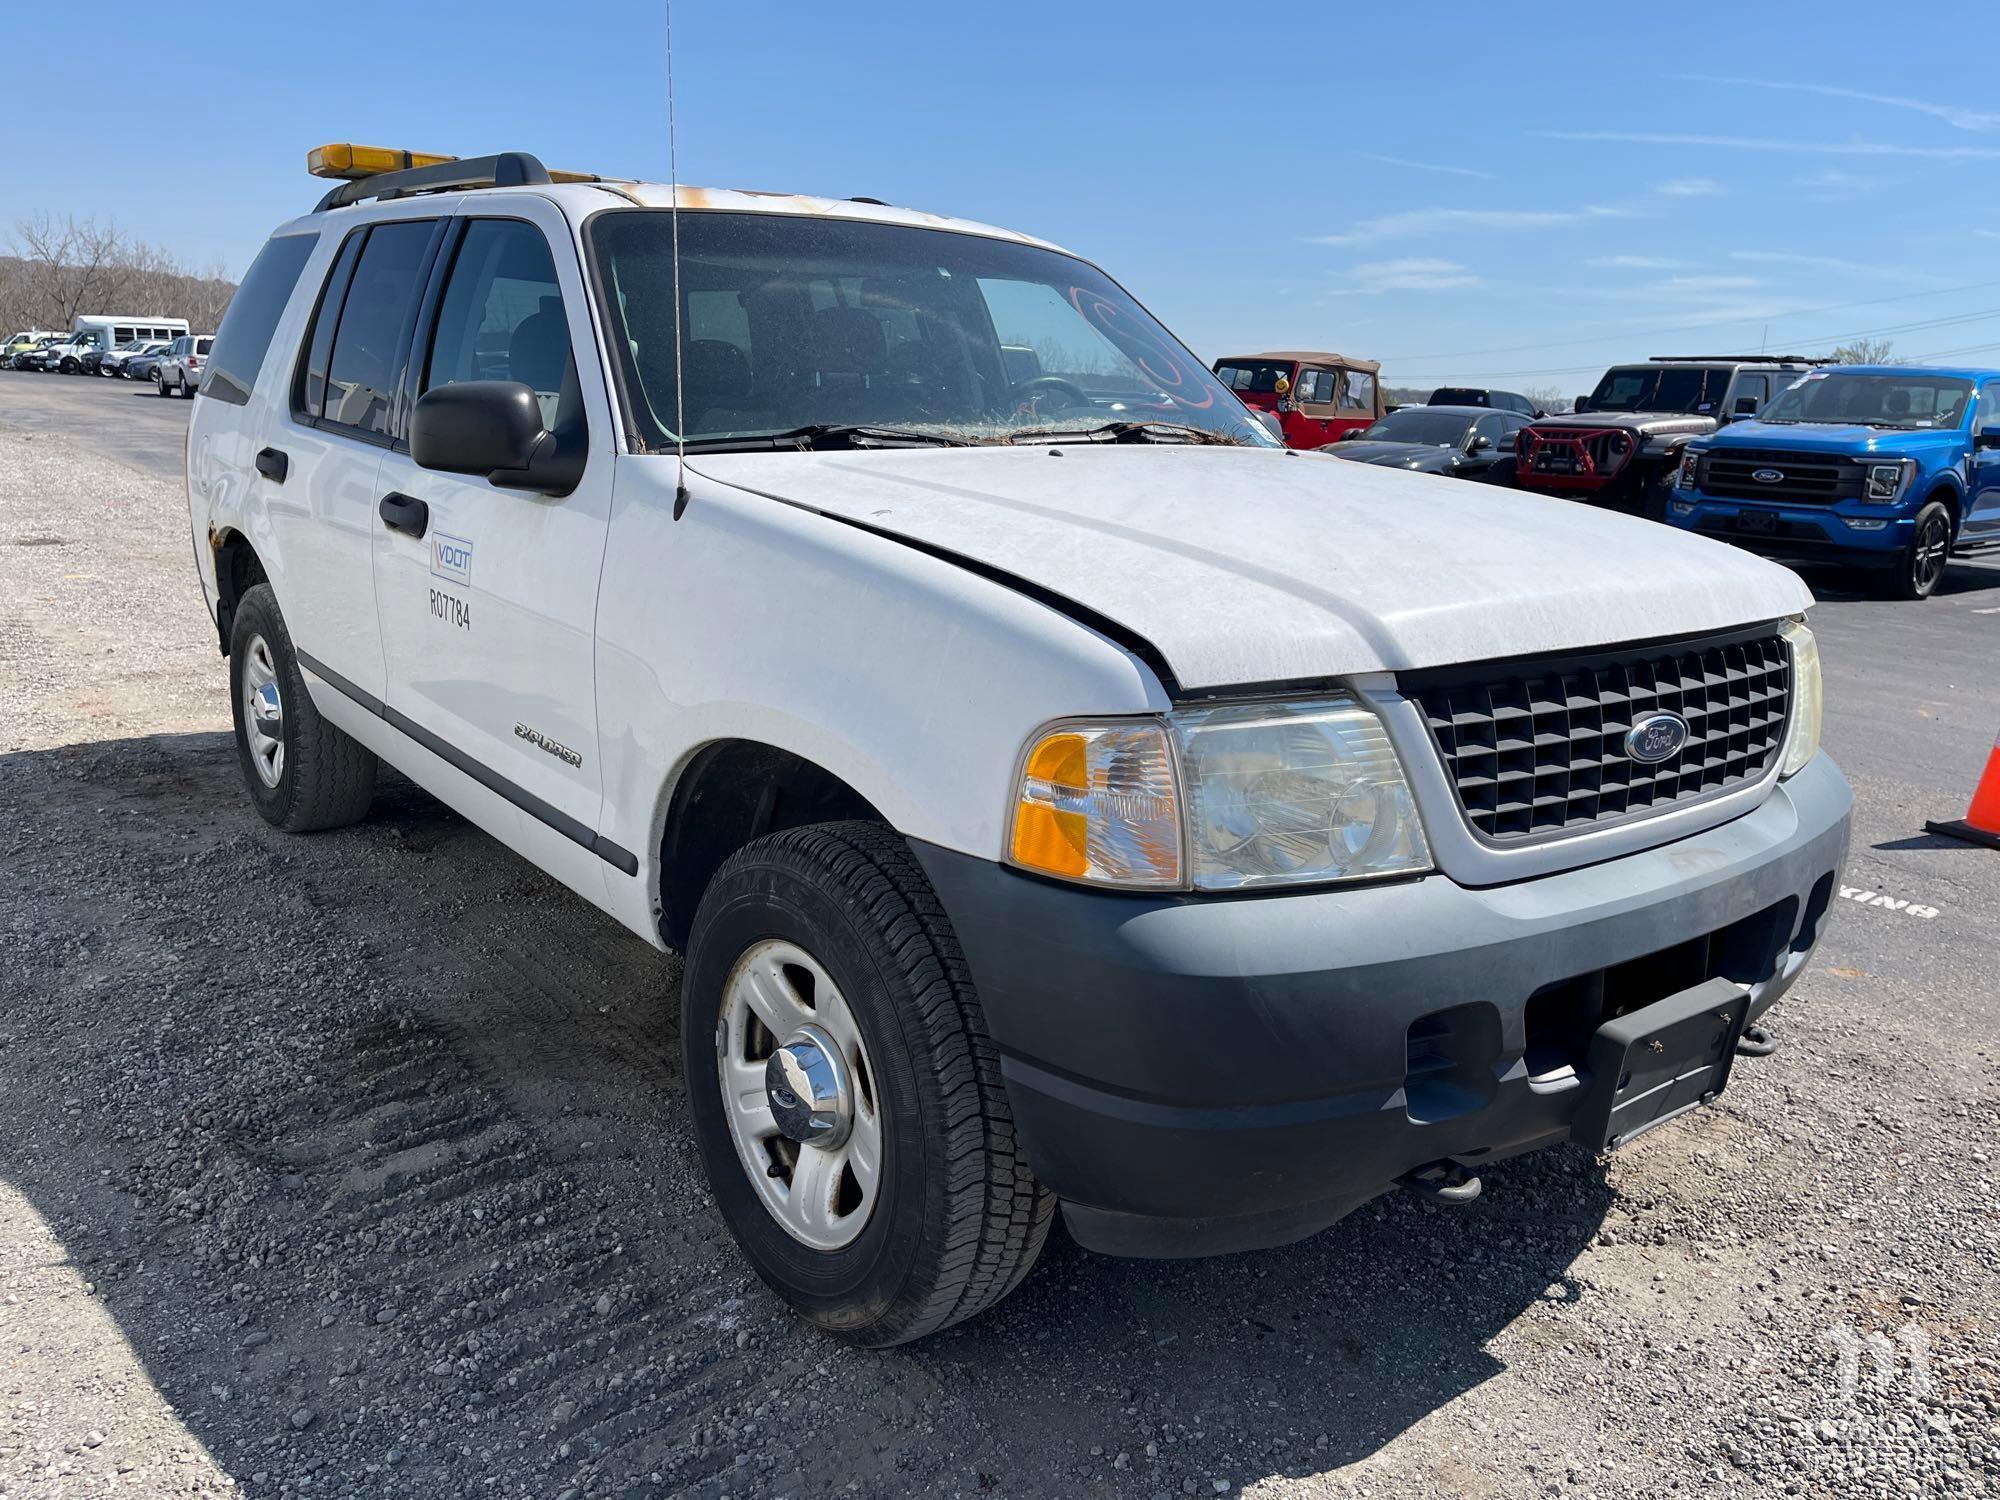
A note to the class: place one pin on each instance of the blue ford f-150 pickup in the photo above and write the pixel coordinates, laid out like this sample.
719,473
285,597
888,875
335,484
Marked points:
1885,466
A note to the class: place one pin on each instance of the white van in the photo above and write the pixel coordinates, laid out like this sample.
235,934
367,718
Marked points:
99,335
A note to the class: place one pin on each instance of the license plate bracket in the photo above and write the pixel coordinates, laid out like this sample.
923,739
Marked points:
1757,522
1660,1061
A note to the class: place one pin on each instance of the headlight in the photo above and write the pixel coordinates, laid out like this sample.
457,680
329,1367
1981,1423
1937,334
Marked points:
1886,481
1689,463
1225,798
1802,741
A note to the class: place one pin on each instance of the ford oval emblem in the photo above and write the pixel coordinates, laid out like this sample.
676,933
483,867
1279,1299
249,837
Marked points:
1767,476
1656,737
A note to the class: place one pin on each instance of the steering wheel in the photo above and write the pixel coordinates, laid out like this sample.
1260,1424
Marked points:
1029,392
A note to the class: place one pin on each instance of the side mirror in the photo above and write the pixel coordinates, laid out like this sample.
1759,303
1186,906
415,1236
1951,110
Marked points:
1479,444
492,428
1987,437
1270,421
1746,406
1582,403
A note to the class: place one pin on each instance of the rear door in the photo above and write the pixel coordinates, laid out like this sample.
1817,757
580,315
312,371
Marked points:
488,617
332,432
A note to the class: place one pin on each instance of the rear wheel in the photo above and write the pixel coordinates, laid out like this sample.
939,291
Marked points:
1920,569
302,772
846,1097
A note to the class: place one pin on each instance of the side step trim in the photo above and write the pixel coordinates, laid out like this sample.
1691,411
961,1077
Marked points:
479,771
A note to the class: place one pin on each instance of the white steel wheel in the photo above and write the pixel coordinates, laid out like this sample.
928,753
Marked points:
263,712
799,1095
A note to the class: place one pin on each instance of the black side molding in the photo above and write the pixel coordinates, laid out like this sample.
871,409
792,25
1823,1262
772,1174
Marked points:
542,812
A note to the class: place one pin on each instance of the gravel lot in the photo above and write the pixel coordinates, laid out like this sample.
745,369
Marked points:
356,1164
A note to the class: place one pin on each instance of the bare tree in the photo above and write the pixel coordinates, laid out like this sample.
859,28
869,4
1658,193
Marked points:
62,268
1866,352
1548,397
73,265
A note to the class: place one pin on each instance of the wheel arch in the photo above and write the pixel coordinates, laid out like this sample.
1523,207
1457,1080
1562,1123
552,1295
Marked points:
238,569
728,793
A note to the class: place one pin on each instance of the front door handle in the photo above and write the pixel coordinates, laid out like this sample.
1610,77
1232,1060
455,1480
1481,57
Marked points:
405,513
273,464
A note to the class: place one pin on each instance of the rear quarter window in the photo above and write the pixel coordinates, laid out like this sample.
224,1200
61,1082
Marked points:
244,339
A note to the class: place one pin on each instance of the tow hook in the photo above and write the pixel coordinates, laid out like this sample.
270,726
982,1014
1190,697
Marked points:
1756,1042
1441,1182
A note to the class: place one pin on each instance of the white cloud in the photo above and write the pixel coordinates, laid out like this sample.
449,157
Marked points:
1760,143
1952,114
1704,283
1426,166
1634,263
1689,187
1833,184
1411,274
1832,263
1432,220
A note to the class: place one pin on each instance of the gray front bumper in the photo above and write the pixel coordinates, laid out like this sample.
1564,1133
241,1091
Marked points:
1202,1073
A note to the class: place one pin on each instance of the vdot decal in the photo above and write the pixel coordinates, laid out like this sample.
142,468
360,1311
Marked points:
451,558
561,752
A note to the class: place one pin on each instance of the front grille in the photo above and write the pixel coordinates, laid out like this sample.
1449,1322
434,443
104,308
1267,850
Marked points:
1537,748
1583,456
1802,478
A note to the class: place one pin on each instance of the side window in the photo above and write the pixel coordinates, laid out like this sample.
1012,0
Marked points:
1753,387
501,317
1317,386
309,388
122,335
245,336
1360,392
366,363
1988,414
1493,429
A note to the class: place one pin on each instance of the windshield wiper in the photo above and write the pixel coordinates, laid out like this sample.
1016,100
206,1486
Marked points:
1125,432
819,435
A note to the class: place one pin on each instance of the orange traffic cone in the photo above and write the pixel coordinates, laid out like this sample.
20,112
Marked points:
1981,824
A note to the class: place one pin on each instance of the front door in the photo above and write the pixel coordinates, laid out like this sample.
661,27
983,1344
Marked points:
1982,510
488,615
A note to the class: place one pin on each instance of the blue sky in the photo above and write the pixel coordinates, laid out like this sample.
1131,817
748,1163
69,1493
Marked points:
1516,197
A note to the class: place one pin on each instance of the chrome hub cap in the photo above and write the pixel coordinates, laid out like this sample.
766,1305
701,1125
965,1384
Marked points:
263,712
799,1095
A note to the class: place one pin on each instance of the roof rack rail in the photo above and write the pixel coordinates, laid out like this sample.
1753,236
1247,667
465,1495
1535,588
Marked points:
507,169
1739,359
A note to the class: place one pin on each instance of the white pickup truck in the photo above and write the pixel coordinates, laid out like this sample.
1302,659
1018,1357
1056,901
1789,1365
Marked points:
1061,793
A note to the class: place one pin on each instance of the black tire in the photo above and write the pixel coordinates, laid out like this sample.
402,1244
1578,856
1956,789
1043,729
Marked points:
326,778
1920,569
159,384
1655,492
959,1219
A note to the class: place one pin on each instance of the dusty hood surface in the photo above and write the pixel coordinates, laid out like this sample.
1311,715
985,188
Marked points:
1250,566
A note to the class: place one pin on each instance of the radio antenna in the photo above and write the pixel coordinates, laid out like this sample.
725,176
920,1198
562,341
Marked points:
674,218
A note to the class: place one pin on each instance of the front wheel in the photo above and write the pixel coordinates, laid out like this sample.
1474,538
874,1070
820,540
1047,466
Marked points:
159,384
302,772
1920,568
846,1097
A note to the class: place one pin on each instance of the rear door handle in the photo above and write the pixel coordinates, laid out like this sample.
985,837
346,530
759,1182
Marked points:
273,464
405,513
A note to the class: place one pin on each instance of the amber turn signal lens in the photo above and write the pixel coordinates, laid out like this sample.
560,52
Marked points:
1098,802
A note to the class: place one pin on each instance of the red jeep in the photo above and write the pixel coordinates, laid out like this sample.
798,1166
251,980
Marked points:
1317,397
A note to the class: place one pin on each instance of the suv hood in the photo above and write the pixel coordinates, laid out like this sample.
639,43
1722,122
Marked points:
1249,566
1645,423
1826,438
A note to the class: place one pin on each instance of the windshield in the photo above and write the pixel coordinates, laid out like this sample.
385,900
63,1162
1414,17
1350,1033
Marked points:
1258,376
1419,424
1695,389
1453,396
794,323
1903,401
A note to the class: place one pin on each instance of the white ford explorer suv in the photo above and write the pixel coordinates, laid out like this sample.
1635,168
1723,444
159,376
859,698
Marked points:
1061,793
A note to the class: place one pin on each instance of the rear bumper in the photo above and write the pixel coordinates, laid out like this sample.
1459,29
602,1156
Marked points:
1195,1075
